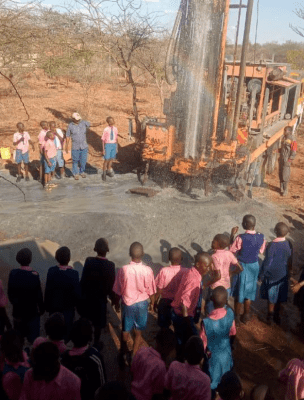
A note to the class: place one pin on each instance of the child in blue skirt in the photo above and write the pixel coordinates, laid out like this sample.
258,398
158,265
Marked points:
274,272
248,245
217,333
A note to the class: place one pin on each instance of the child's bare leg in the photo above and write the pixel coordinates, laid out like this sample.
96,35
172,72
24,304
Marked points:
62,172
19,169
237,311
104,172
247,304
110,164
26,170
270,308
137,341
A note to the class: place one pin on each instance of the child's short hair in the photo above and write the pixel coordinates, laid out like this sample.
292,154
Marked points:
18,124
55,327
24,257
108,119
136,251
249,221
81,333
202,257
63,255
43,123
288,129
113,390
52,123
230,387
166,341
175,255
194,350
281,229
12,346
45,359
222,240
219,296
101,246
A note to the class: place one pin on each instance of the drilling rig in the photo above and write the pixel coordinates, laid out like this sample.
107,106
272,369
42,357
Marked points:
220,114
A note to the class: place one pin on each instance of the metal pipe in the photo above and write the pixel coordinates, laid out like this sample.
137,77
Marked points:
242,68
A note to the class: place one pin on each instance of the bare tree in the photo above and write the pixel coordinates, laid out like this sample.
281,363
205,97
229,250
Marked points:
123,31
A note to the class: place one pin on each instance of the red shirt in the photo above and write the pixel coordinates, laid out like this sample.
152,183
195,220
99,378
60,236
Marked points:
149,372
222,259
188,292
168,280
187,382
66,386
134,283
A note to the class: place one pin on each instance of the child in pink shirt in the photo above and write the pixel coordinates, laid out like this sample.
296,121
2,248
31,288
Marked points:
22,140
186,299
16,364
109,146
55,330
167,283
293,376
187,381
149,366
134,284
49,153
41,138
48,380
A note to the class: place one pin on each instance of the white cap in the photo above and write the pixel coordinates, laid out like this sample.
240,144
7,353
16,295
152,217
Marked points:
76,116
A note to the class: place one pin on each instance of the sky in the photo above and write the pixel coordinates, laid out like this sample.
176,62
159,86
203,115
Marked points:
275,17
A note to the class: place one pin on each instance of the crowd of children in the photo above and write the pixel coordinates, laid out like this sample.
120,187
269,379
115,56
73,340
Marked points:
54,144
190,362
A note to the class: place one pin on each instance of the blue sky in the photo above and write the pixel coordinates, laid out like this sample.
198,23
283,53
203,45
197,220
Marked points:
275,16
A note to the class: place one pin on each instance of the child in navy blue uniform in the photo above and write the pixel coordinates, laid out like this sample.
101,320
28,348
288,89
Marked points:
248,246
274,272
25,295
85,361
97,282
62,290
217,333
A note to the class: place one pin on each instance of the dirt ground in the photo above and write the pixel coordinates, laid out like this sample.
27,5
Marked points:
77,213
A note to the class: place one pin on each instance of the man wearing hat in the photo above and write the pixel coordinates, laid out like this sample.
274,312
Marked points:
288,153
77,131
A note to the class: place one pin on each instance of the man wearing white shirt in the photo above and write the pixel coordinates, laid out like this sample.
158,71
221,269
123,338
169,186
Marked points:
59,140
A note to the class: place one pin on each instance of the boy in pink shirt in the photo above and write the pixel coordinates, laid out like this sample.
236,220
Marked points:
293,376
134,284
48,380
22,140
167,283
109,146
49,153
186,299
41,138
149,366
187,381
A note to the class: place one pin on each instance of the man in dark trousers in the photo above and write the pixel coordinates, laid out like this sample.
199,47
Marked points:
288,153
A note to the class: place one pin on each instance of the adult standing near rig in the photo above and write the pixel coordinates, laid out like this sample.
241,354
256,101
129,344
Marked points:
288,153
77,131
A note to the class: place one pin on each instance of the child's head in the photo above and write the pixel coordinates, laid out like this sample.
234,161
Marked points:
220,242
63,256
194,350
110,121
52,126
45,360
175,256
166,343
230,387
24,257
44,125
55,327
12,346
113,390
281,229
50,135
101,247
81,333
202,262
249,222
261,392
136,251
219,297
20,127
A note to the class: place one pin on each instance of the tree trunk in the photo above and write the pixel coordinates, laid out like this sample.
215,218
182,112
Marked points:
135,110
